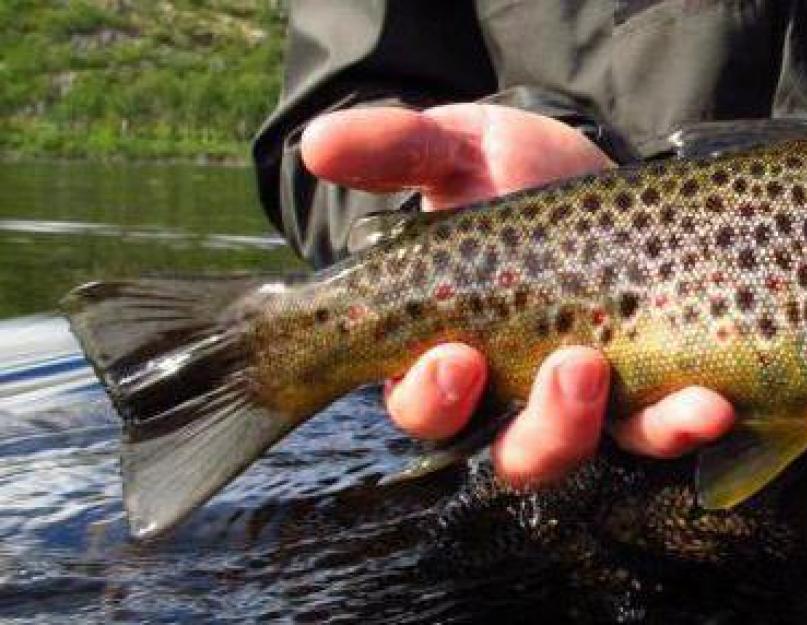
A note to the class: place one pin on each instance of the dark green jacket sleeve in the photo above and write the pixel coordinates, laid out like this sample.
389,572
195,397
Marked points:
349,53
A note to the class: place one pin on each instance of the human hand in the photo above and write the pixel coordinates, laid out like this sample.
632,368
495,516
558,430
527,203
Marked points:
463,153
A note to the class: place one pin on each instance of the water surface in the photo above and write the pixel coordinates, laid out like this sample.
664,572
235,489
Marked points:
304,535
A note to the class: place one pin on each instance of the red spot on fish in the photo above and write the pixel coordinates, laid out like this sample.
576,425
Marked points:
598,316
723,334
444,292
661,300
507,279
774,283
356,312
718,277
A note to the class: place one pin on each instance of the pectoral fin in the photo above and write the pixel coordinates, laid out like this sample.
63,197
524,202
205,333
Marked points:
478,434
748,458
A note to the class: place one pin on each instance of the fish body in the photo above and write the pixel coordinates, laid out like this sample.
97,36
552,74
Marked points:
682,272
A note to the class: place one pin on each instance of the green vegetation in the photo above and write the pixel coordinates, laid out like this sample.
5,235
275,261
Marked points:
137,78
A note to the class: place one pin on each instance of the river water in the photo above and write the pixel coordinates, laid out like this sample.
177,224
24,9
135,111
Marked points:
304,535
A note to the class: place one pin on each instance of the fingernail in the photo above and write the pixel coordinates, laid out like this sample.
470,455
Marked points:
581,379
455,380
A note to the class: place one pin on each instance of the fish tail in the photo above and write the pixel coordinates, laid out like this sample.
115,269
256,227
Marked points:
173,355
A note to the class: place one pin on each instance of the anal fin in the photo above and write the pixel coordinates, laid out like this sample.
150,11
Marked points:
749,458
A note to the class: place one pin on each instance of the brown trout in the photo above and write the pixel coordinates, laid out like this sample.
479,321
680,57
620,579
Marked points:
685,271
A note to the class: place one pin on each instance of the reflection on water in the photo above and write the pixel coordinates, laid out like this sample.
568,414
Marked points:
303,535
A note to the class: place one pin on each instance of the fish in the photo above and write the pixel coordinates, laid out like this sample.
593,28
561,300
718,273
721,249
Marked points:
687,270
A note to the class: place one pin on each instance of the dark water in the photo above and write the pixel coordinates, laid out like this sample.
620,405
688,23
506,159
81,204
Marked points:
304,535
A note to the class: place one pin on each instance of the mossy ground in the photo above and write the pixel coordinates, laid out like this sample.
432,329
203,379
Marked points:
137,79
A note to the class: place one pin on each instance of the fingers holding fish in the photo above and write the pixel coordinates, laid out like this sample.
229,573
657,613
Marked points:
562,423
454,154
677,424
437,396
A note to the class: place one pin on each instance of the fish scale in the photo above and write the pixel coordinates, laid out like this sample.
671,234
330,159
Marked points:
682,272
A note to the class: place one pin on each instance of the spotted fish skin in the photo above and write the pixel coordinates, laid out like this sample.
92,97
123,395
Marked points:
681,272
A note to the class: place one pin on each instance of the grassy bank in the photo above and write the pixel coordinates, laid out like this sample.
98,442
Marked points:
137,79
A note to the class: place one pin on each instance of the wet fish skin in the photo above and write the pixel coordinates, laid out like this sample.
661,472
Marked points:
681,272
684,272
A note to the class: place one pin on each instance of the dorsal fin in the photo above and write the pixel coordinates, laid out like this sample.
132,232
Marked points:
713,138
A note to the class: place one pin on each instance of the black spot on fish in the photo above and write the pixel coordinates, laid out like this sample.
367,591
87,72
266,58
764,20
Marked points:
606,220
505,212
419,272
541,325
792,312
531,210
667,215
442,232
475,304
484,224
718,307
490,261
441,260
465,225
653,246
321,315
690,187
641,220
538,234
635,273
714,204
688,224
774,189
469,248
767,326
564,320
510,236
624,200
747,210
583,226
650,196
665,271
690,261
521,298
757,169
724,236
622,237
683,288
783,258
798,195
673,241
414,309
744,298
747,258
720,177
606,334
568,245
608,276
533,264
801,275
793,162
592,202
628,304
740,185
690,314
559,213
762,234
784,223
590,250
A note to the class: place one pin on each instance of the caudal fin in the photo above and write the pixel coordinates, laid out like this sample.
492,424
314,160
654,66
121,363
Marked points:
174,360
